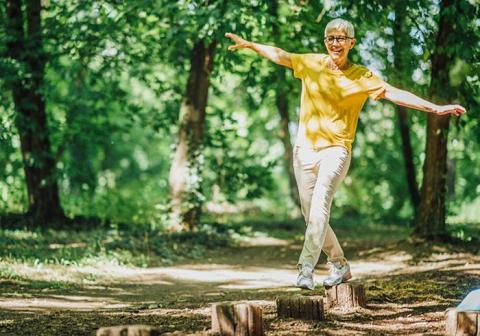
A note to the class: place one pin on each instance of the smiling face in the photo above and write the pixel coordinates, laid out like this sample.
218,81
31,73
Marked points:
338,44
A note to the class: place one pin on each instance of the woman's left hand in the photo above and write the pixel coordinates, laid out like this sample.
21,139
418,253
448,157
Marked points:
450,109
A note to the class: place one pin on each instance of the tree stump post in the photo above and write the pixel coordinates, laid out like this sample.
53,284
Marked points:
129,330
460,323
465,319
241,319
346,296
302,307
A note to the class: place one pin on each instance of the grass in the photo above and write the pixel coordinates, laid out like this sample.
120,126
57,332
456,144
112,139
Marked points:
139,247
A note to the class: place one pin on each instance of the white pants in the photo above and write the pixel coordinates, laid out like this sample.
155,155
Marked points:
318,174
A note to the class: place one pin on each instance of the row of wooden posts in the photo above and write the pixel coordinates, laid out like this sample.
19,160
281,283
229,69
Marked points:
246,319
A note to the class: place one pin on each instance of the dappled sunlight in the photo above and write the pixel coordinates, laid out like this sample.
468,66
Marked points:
264,241
250,276
70,302
412,319
408,287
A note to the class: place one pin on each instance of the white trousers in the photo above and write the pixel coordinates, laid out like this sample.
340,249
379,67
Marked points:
318,174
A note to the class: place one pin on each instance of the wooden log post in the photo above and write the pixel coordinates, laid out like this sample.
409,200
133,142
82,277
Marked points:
347,295
241,319
465,319
460,323
129,330
301,307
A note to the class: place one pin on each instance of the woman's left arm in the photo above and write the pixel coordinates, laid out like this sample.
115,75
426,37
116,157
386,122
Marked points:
408,99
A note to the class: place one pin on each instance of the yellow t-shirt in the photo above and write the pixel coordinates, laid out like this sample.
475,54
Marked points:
331,100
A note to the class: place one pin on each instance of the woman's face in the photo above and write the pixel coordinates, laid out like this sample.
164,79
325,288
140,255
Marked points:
338,44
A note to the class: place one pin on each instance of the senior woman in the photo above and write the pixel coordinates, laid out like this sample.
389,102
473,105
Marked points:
334,91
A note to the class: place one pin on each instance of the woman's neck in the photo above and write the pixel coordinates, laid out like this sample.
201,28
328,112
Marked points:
331,64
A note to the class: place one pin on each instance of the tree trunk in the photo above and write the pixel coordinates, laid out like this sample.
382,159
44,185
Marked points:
400,33
44,206
282,107
407,152
185,172
430,221
281,102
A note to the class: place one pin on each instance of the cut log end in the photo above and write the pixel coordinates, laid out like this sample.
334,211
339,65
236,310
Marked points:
301,307
347,295
241,319
129,330
462,323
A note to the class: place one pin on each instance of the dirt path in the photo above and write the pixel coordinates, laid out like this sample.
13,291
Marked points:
409,286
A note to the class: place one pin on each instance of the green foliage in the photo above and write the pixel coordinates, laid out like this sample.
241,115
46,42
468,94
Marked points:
116,74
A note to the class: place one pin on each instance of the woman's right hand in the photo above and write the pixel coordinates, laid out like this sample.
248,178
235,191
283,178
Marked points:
239,42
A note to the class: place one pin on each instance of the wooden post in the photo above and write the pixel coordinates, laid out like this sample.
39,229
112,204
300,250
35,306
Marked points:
302,307
241,319
465,319
460,323
346,296
129,330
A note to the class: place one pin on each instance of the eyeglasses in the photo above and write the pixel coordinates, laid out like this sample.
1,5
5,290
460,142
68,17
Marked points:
340,39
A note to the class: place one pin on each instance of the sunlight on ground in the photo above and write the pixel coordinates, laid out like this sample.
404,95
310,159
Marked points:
263,241
126,285
78,303
393,316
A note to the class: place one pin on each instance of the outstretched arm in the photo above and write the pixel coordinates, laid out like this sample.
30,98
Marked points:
405,98
274,54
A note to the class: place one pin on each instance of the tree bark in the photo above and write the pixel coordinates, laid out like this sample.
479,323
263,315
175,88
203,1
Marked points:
282,107
281,101
185,172
407,151
399,47
26,49
302,307
242,319
430,221
346,296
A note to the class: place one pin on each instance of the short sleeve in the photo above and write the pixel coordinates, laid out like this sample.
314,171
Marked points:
300,64
373,85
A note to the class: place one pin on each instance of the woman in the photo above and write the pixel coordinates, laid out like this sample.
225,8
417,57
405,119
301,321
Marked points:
334,91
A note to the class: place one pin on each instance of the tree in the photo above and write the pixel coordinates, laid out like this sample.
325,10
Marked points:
281,102
26,50
430,220
208,21
185,172
401,35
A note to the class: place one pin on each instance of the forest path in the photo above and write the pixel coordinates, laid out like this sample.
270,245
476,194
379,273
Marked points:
409,286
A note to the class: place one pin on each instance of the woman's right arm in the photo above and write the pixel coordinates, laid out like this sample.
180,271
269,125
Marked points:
274,54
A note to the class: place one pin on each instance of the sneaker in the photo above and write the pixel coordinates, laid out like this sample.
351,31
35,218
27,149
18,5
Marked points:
305,277
338,274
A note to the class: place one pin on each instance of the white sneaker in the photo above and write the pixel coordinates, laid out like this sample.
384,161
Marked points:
305,277
338,274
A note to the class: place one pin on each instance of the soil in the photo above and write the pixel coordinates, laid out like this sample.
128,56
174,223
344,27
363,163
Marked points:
409,285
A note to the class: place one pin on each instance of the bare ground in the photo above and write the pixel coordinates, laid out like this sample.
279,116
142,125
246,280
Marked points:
409,284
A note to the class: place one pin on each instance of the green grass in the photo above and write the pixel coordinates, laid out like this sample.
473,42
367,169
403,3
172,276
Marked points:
133,247
141,247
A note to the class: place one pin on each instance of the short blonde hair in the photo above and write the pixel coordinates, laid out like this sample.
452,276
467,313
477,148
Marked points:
340,24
